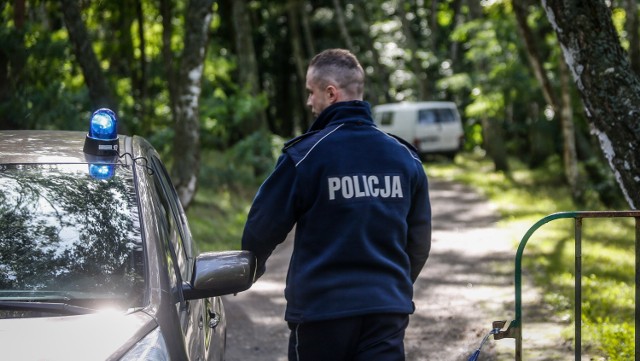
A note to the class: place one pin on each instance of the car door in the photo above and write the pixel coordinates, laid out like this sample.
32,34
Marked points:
450,128
438,129
193,319
428,130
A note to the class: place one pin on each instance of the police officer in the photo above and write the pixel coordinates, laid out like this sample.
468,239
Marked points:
359,199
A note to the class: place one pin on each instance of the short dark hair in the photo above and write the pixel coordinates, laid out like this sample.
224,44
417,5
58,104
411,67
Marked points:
341,67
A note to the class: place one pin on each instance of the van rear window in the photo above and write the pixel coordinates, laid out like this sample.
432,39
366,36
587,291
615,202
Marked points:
433,116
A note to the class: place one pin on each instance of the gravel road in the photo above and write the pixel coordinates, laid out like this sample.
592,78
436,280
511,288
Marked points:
466,284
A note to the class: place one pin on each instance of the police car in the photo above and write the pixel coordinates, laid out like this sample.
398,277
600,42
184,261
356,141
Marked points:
96,258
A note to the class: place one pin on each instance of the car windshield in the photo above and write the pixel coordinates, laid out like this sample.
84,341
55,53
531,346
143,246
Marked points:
69,237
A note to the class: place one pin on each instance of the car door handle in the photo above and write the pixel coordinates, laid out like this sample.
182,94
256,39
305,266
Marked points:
214,319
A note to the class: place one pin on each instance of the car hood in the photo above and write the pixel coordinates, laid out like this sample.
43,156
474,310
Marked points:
85,337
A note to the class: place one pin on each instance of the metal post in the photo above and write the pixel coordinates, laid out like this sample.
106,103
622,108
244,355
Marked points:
519,344
578,290
637,314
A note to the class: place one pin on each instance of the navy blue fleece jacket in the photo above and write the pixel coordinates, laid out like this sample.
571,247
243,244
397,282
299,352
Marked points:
360,202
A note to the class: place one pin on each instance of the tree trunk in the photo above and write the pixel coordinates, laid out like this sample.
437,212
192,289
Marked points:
475,9
342,24
12,59
294,9
493,136
454,48
562,108
420,74
632,27
186,143
433,22
141,85
521,13
570,155
609,88
247,63
378,90
166,11
306,30
99,90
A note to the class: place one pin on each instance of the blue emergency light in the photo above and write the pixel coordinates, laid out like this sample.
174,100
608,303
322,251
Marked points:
102,139
102,171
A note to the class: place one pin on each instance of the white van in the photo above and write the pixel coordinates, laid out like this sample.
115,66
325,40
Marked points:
432,127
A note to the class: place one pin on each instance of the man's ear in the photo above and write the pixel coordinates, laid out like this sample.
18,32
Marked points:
333,94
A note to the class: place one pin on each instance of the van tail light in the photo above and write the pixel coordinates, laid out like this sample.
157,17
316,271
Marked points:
416,142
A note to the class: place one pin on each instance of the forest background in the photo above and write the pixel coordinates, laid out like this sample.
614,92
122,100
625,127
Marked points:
217,86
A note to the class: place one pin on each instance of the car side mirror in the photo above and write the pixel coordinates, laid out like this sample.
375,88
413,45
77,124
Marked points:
220,273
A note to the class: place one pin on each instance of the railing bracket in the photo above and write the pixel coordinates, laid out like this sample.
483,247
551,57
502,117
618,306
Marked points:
509,332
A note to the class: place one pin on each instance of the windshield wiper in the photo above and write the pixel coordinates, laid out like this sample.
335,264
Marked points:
53,307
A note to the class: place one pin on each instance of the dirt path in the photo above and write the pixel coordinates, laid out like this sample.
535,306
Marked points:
466,284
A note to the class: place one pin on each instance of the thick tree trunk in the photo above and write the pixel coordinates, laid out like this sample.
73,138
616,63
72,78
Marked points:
99,91
609,88
186,144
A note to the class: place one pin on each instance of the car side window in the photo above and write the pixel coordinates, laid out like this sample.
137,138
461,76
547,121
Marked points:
164,216
172,218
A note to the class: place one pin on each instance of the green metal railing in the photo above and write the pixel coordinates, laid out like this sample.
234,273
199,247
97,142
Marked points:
514,328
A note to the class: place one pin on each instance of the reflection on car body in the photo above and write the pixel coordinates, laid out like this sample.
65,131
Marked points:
96,257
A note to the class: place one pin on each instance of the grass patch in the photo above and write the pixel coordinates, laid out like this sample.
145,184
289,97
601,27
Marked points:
523,197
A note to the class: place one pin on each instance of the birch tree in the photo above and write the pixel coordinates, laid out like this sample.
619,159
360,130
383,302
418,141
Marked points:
186,143
609,88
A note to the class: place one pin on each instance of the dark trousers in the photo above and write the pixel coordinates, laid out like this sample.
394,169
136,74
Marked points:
378,337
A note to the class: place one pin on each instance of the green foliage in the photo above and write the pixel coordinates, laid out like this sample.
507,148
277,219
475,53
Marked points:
608,281
43,90
228,181
474,58
227,116
616,339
